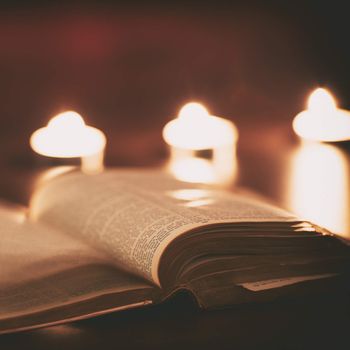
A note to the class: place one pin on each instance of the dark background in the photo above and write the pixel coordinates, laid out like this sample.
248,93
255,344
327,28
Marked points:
128,68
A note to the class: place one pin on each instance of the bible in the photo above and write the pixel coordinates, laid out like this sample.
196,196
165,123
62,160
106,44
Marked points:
92,244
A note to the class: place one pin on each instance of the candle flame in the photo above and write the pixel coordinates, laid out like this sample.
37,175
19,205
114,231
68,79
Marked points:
322,120
67,121
67,136
196,129
193,110
321,101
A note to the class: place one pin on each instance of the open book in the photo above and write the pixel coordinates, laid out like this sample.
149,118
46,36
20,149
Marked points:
91,244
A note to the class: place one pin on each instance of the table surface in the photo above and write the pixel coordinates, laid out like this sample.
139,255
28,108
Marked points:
311,180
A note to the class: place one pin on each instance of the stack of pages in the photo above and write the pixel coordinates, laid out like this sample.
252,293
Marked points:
92,244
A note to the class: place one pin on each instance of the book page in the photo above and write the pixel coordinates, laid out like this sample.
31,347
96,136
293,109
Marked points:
42,268
31,251
134,214
281,282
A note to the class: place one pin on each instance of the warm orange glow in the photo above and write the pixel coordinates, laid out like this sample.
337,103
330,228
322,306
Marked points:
14,212
193,170
51,173
221,170
323,121
321,101
69,121
193,111
319,186
189,194
67,136
193,197
195,129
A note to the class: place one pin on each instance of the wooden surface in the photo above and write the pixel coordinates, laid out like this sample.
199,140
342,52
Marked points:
316,322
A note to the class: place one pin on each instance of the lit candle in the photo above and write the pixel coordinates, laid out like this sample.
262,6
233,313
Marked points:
322,120
318,186
67,136
202,146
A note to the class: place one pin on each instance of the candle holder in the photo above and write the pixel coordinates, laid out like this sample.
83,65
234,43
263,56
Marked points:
322,121
66,137
202,147
318,178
